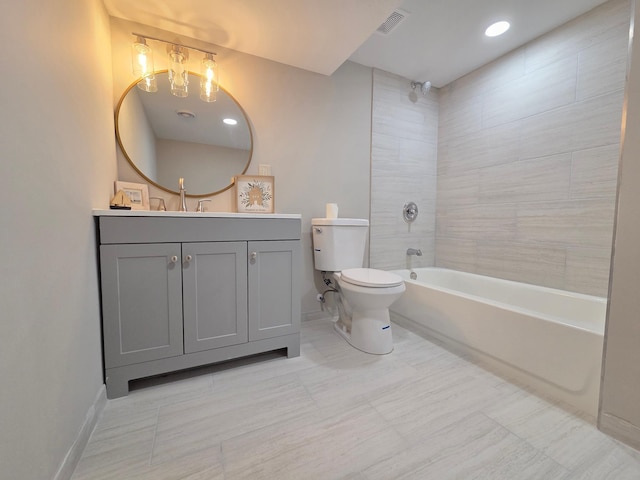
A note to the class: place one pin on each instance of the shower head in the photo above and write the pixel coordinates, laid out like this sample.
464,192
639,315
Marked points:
424,86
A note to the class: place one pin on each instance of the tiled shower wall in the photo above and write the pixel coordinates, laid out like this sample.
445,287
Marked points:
403,169
527,158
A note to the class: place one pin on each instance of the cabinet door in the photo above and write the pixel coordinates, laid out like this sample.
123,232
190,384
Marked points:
214,294
274,288
141,302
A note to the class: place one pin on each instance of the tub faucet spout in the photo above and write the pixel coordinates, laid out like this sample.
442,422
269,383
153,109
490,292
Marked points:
414,251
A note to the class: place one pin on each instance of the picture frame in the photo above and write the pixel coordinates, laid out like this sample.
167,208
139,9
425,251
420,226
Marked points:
255,193
138,193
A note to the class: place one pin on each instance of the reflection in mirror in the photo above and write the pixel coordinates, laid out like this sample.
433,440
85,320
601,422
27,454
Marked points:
165,137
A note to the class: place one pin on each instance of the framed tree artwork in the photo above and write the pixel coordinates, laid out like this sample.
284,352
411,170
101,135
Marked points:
255,194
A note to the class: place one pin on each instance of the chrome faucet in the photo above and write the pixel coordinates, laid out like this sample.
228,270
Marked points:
183,200
414,251
200,208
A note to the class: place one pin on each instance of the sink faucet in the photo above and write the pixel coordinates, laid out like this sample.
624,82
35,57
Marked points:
414,251
183,200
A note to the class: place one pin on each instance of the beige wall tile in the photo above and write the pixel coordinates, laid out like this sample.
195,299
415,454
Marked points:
502,71
595,26
548,133
535,264
458,116
478,222
583,223
587,270
456,253
594,172
598,121
491,146
544,89
459,189
534,179
602,67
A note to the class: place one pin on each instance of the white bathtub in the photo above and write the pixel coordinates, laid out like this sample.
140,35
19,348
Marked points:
549,339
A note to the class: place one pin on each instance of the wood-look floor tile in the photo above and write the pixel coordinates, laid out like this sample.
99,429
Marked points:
329,448
474,447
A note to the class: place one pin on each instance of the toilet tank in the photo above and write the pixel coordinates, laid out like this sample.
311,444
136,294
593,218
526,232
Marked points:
339,243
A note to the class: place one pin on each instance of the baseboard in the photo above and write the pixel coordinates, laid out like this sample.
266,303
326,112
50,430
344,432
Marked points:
620,429
75,451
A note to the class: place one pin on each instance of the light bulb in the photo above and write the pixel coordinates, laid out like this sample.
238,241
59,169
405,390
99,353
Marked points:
148,84
178,75
142,65
209,79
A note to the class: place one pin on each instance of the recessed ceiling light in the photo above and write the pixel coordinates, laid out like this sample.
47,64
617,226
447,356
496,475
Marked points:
497,28
230,121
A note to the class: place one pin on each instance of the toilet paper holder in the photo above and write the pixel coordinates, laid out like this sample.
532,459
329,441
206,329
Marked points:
410,212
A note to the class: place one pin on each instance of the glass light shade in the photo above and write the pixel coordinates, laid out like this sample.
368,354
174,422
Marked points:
141,58
148,84
209,80
178,74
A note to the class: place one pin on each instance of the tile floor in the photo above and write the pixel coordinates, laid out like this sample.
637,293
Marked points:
336,413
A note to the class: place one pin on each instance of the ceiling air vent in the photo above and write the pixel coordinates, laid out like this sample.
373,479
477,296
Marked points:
396,17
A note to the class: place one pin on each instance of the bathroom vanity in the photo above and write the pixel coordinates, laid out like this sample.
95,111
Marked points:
180,290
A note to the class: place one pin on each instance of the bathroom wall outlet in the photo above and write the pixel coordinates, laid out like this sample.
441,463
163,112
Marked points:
264,170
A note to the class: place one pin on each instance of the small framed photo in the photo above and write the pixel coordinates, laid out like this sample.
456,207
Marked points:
138,193
255,193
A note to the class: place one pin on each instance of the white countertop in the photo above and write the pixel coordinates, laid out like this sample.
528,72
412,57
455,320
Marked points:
155,213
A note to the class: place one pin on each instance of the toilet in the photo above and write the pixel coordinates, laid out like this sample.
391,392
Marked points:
364,295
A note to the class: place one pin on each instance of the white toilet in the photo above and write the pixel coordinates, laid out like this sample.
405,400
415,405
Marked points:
364,294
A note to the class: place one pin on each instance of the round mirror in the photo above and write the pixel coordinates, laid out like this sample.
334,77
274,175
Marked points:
166,138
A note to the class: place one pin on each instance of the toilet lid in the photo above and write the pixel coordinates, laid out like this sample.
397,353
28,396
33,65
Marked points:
370,277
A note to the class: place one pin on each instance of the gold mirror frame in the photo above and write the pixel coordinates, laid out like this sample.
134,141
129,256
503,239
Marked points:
154,183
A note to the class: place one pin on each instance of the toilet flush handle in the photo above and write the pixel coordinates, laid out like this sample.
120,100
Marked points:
317,229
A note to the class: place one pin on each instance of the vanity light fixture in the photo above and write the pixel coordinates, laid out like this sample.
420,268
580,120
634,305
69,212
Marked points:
142,63
497,28
230,121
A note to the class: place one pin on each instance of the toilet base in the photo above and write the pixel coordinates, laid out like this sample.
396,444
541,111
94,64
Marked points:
370,331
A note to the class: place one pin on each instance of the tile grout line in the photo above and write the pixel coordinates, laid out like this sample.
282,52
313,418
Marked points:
155,435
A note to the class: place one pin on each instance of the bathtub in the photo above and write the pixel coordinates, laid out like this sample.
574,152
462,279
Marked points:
550,340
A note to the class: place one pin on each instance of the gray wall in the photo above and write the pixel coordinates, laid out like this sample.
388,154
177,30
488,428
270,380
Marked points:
620,395
404,136
57,162
527,158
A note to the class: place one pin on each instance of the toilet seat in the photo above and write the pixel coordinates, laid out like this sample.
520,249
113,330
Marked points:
371,277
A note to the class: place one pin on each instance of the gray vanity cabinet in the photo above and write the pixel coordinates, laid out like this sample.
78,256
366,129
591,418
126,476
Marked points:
214,279
272,271
142,302
179,292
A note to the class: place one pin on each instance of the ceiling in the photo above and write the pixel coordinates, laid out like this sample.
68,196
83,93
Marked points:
438,41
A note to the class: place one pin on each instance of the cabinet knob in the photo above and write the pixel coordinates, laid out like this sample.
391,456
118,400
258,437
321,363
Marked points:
188,258
174,259
253,257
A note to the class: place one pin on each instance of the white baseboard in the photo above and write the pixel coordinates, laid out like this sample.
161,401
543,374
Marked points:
75,451
620,429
